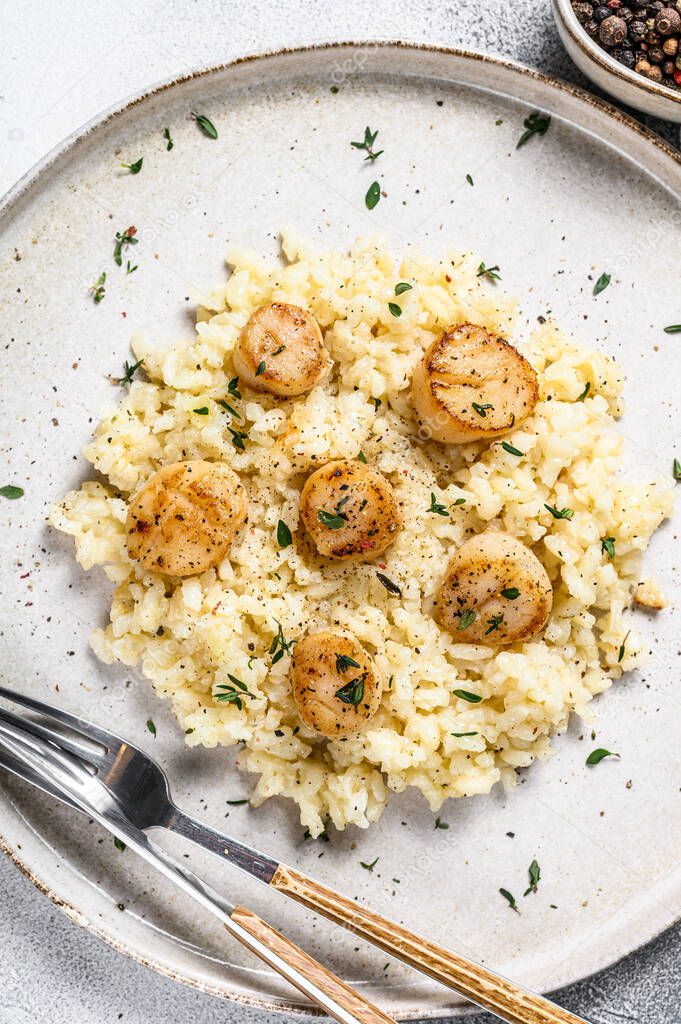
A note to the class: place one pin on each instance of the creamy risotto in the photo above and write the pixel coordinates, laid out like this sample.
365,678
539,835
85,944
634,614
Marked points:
556,485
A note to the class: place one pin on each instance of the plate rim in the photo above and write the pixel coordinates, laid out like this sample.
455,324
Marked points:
9,203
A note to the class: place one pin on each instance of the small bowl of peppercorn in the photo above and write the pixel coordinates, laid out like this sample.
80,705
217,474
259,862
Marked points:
630,48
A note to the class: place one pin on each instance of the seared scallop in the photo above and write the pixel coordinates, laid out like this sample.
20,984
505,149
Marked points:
336,687
185,517
495,591
281,351
350,510
471,386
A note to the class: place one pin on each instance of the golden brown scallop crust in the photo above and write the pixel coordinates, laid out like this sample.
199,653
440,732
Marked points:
472,385
495,591
336,687
281,351
350,511
184,519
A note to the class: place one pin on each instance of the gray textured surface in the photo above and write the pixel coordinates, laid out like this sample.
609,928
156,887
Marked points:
56,71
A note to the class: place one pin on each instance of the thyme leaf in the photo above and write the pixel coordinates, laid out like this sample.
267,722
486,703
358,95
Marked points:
596,756
367,144
206,125
391,587
472,698
284,537
373,195
467,619
535,124
602,283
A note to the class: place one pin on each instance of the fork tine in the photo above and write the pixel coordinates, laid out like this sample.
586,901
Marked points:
84,750
93,732
28,774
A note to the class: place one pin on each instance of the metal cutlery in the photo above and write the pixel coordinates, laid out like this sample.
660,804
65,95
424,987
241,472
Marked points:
140,788
64,777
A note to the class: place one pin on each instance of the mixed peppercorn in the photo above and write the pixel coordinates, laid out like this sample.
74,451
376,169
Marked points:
645,37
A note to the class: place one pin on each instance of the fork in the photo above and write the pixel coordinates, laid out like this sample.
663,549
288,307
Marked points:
65,777
141,789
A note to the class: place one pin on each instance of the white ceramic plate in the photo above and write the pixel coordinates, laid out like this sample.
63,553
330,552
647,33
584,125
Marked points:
596,193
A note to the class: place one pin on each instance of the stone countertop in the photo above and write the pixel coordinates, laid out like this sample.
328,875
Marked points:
59,66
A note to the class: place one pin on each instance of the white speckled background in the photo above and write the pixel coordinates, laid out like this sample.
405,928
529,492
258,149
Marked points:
58,68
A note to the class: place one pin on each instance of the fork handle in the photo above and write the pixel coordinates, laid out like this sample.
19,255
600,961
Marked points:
485,988
345,996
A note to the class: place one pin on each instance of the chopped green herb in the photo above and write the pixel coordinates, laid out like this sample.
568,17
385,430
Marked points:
395,309
97,290
119,844
622,649
344,662
126,237
534,872
235,803
511,450
362,458
437,507
262,366
169,141
391,587
11,492
402,286
373,195
467,619
559,513
352,692
676,469
596,756
459,501
535,124
481,409
494,622
129,269
332,520
370,867
136,167
283,534
608,546
377,402
203,411
510,593
233,387
585,392
367,144
280,645
342,503
602,283
129,373
510,899
472,698
206,126
491,273
151,727
440,824
228,408
459,734
238,438
673,329
469,179
390,682
232,694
